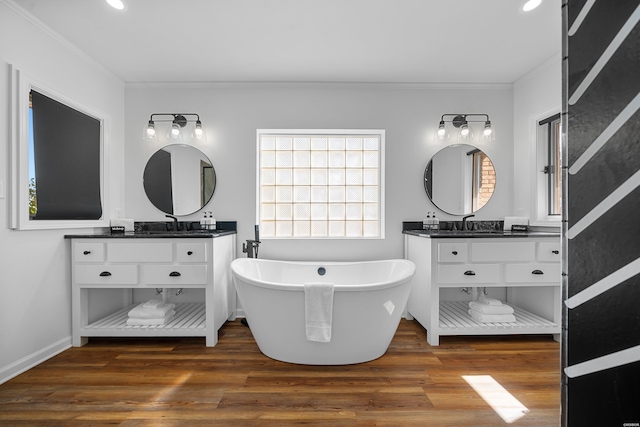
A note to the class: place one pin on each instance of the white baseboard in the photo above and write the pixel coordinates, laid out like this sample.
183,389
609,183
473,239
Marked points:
33,359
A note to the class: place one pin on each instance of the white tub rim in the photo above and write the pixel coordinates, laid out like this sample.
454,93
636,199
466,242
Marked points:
338,288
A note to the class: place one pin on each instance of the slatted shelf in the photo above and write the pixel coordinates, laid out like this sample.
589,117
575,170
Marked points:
456,320
189,320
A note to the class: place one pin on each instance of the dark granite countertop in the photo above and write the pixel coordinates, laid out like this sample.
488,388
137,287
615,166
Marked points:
153,235
164,230
476,229
459,234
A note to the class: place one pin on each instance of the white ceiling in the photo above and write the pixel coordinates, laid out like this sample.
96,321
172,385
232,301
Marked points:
376,41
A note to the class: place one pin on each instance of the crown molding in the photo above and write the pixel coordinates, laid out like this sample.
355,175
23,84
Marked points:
318,85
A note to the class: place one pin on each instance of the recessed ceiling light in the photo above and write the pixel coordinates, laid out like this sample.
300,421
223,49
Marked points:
116,4
531,4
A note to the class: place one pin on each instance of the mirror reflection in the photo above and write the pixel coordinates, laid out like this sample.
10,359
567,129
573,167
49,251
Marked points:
460,179
179,179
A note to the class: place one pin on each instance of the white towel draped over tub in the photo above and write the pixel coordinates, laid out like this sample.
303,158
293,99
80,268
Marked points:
318,311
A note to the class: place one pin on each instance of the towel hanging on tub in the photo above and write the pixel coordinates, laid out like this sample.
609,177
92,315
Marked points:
318,311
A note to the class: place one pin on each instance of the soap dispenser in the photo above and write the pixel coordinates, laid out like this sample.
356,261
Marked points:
212,222
435,222
203,222
426,222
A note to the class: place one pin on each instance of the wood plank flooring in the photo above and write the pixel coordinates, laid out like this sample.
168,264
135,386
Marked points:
180,382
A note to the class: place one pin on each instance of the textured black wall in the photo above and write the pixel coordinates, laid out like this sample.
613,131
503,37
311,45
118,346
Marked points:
602,230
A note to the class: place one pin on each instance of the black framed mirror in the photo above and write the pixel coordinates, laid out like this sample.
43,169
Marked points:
179,179
460,179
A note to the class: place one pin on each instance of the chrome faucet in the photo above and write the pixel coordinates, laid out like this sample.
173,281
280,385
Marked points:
175,222
464,221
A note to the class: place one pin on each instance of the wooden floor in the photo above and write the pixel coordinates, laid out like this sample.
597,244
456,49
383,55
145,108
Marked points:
180,382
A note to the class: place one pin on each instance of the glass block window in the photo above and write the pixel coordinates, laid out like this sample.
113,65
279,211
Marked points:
320,184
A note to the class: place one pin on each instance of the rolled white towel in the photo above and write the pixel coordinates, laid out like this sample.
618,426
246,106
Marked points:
492,318
490,309
140,312
153,303
132,321
489,301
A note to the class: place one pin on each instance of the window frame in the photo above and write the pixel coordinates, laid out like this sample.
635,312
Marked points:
328,133
21,86
541,193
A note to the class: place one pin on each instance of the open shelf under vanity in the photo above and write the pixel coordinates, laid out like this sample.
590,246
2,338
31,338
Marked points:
456,320
189,320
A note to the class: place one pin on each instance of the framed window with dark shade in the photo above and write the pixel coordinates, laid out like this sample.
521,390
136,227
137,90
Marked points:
64,162
57,161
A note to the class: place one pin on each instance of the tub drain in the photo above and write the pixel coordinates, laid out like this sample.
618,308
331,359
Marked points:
321,271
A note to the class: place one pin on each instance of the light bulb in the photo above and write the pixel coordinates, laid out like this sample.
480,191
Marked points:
464,130
441,130
175,130
151,130
198,130
487,129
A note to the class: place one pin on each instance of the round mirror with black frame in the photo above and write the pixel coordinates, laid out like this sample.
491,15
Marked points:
179,179
460,179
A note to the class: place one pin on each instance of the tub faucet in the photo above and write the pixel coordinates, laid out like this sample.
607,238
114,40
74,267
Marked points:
251,246
464,221
175,222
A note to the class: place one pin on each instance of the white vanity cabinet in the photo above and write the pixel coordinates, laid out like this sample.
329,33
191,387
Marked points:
526,268
127,264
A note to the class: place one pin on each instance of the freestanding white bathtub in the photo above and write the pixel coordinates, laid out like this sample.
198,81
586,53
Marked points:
369,298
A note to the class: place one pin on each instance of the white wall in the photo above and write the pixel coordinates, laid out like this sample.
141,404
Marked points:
231,113
35,319
535,96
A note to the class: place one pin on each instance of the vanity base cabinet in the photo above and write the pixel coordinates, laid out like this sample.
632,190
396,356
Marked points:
526,268
121,266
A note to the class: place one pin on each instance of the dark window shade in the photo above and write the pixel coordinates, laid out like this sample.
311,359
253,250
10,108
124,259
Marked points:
67,161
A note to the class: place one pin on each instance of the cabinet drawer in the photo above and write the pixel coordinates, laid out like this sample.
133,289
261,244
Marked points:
503,251
548,251
140,252
533,273
175,274
106,274
452,252
191,252
469,273
88,252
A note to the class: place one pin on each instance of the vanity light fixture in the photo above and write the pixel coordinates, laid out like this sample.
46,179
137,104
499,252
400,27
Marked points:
178,122
462,123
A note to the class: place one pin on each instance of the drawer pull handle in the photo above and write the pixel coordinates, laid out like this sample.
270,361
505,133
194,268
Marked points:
555,252
86,252
537,272
174,274
454,252
105,274
469,273
190,253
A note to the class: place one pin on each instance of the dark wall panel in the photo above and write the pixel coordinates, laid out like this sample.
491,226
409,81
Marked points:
601,345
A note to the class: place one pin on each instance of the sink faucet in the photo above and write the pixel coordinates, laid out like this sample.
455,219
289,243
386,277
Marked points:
175,222
464,221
